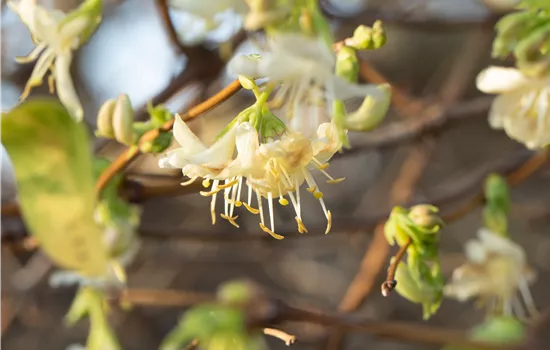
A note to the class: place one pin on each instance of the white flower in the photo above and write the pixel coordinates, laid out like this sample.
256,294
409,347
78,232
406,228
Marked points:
495,270
277,169
305,68
208,20
56,35
522,109
274,169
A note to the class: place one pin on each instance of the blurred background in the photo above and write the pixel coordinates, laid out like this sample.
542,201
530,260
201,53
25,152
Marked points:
434,50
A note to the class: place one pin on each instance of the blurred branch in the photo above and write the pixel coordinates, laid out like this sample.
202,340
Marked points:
431,119
277,311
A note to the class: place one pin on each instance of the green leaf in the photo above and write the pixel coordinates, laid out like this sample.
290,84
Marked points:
53,167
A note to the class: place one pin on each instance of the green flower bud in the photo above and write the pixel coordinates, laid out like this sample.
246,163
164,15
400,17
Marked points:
347,64
123,118
247,83
105,119
235,292
425,216
367,38
372,111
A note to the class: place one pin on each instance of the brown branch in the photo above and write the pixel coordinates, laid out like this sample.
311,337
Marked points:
514,178
152,297
277,311
431,119
389,284
124,159
399,331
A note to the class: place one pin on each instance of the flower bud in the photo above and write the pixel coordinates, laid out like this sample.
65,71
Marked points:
105,119
367,38
347,64
123,118
247,83
425,216
372,111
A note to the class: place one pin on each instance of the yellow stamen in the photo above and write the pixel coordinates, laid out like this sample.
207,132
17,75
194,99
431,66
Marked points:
273,234
322,166
336,181
318,194
227,185
329,222
311,189
206,182
283,201
210,193
301,227
231,219
235,202
189,182
51,84
250,209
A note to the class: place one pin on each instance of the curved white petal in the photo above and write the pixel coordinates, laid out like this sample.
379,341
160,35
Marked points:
372,111
70,31
41,68
65,88
344,90
501,245
219,153
226,25
247,66
304,47
248,144
494,80
186,138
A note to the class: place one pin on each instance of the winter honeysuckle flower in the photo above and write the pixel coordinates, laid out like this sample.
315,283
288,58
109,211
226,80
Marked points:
56,35
278,169
210,20
495,271
305,67
522,109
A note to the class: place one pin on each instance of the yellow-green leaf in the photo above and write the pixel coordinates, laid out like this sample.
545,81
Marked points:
53,167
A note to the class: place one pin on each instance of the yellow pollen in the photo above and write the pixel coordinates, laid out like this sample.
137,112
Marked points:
213,214
291,189
318,194
323,166
329,222
250,209
210,193
311,189
273,234
238,203
301,227
227,185
231,219
205,182
283,201
336,181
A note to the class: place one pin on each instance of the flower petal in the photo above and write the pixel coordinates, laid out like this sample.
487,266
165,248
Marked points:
494,80
219,153
186,138
344,90
247,143
501,245
65,87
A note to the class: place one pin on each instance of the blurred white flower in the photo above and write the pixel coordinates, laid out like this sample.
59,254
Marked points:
214,21
305,68
56,35
496,269
522,109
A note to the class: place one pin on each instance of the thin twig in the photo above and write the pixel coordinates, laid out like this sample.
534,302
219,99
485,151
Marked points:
389,284
288,339
124,159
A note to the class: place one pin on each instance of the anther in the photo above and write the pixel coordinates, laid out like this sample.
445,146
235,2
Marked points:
250,209
231,219
273,234
206,182
336,181
318,194
283,201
